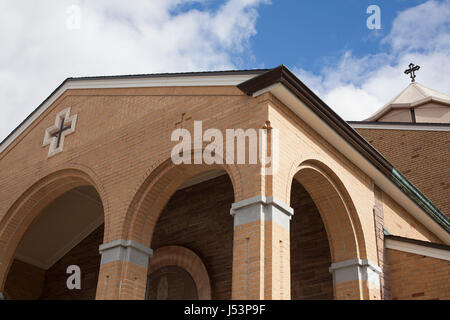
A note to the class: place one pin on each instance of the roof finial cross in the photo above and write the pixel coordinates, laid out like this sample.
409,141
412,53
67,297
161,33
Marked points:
411,71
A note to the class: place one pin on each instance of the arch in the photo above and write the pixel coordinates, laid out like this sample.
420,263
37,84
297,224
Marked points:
157,188
187,260
31,203
336,208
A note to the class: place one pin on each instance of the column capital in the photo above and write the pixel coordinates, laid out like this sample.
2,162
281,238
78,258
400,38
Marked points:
125,250
356,269
261,208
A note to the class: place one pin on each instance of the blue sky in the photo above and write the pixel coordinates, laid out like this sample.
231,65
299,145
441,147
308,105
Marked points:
308,33
326,43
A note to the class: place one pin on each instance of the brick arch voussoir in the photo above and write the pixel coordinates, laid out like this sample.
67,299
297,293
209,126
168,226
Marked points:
157,187
336,208
187,260
28,206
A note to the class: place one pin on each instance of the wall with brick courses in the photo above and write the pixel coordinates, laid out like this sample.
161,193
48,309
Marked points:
399,222
421,156
310,252
199,219
121,140
299,143
121,136
416,277
26,281
171,283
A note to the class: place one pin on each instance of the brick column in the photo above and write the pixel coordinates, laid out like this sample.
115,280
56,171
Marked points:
378,217
356,279
261,249
123,270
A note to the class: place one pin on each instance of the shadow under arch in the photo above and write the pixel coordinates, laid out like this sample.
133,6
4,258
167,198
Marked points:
157,188
336,209
30,204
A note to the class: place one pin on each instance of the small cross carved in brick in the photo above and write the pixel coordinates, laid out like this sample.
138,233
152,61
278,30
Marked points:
182,120
54,135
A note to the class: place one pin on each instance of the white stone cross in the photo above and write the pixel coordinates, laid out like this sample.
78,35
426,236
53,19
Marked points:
54,136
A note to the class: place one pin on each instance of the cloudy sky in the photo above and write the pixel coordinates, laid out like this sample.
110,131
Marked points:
356,70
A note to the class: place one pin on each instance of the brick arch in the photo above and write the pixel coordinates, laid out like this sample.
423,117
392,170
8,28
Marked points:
186,259
30,204
336,208
157,189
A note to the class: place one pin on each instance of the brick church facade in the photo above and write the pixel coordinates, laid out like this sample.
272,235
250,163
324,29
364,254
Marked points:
355,210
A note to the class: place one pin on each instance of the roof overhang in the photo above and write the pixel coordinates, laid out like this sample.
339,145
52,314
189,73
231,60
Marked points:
284,85
418,247
192,79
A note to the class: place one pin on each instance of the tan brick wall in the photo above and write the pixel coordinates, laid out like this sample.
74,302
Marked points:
421,156
299,144
378,215
399,222
248,262
417,277
122,147
121,136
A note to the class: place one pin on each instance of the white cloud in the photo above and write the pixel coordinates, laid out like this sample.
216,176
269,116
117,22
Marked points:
116,37
356,87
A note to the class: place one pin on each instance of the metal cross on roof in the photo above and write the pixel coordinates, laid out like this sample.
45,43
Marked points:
411,71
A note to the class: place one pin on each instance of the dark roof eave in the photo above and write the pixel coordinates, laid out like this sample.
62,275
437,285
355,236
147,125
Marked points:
284,76
418,242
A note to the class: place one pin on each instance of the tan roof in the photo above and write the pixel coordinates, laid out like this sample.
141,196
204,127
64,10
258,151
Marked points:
414,95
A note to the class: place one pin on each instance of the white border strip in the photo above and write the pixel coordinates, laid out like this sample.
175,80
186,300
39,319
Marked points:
182,81
418,249
410,127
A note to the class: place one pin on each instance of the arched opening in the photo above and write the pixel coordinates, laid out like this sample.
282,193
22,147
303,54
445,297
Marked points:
196,217
171,283
310,251
177,273
185,205
59,224
325,229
